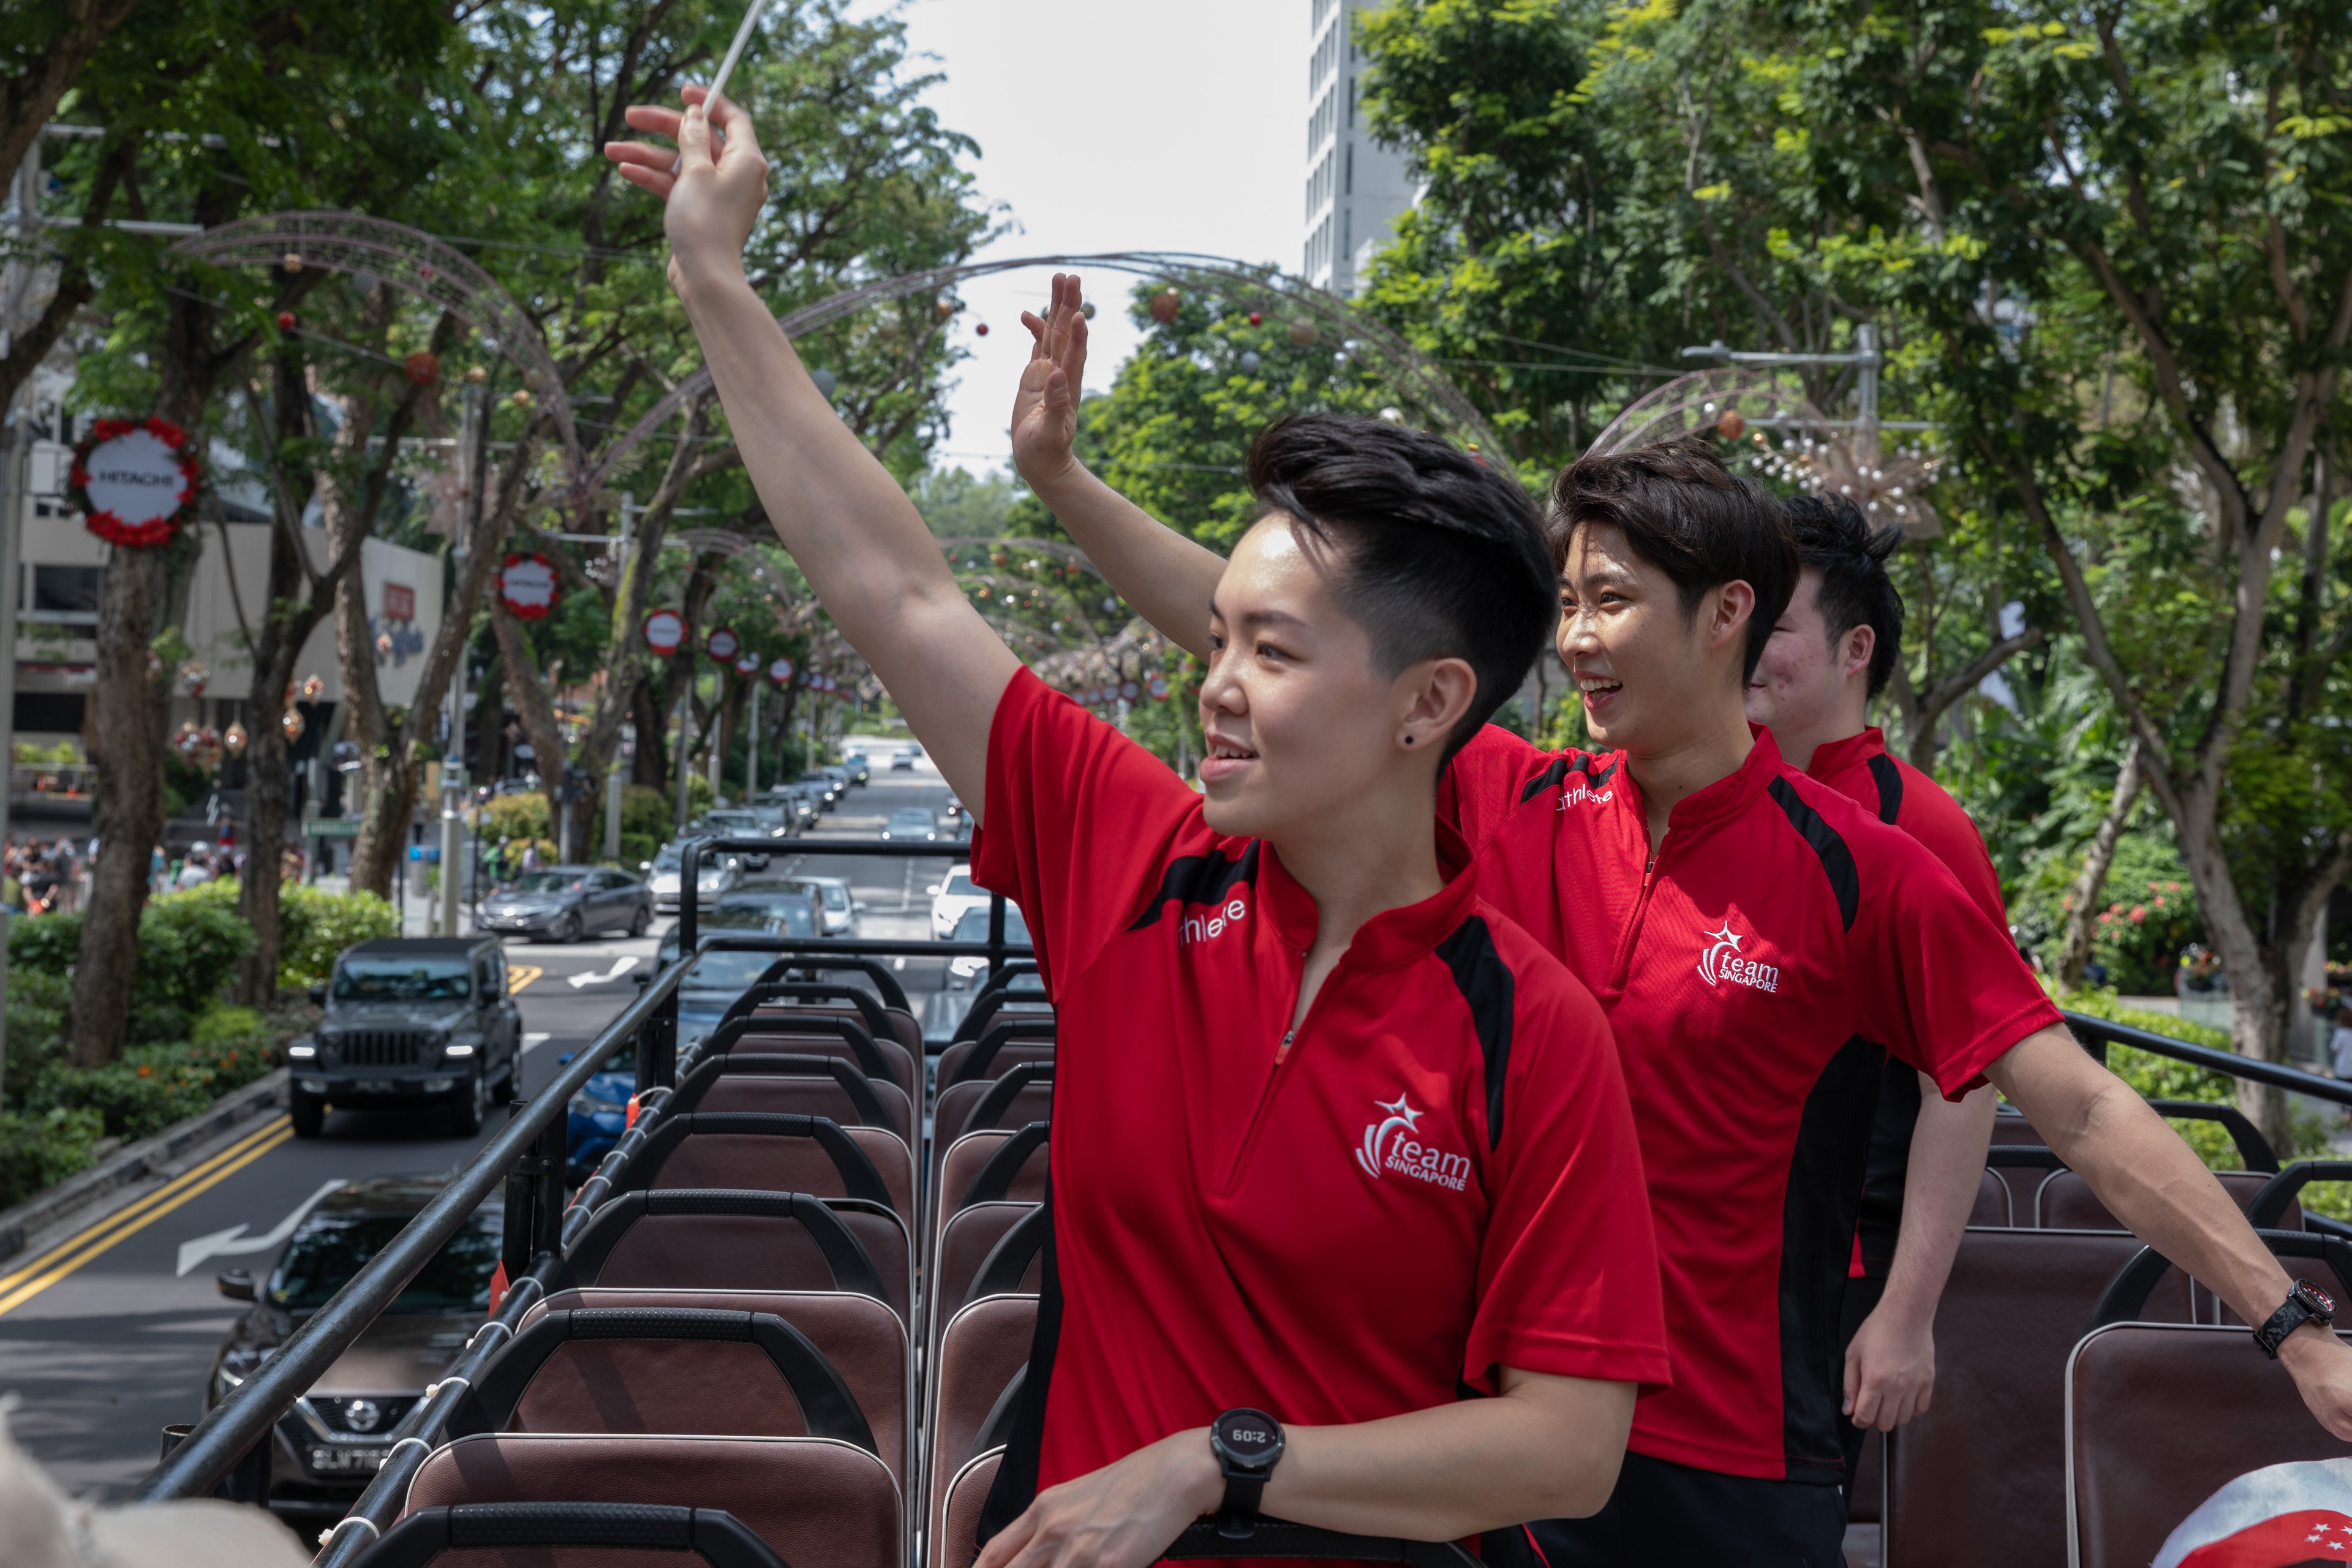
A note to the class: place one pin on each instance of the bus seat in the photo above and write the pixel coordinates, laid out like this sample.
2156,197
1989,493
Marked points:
894,1024
983,1349
2158,1418
2065,1202
967,1242
817,1034
725,1239
1980,1478
992,1166
817,1504
793,1084
1992,1202
1006,1044
1017,1097
958,1544
864,1340
766,1152
689,1371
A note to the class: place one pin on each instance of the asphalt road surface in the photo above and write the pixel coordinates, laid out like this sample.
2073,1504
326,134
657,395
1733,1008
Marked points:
105,1337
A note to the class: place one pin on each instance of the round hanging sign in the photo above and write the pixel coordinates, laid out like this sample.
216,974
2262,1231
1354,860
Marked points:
134,480
529,587
1158,686
748,665
722,643
1129,691
781,672
664,632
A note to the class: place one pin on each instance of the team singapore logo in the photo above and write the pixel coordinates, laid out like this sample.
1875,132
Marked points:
1210,926
1721,964
1388,1147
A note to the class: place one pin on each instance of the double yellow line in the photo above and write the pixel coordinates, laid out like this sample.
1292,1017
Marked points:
23,1284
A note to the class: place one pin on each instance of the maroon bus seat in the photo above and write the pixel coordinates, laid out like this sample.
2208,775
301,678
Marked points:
1012,1100
795,1084
768,1151
817,1504
726,1239
1005,1045
1980,1478
969,1242
992,1166
981,1352
958,1541
862,1337
2158,1418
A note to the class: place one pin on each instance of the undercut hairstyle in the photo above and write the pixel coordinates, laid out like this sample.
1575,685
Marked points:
1441,556
1684,512
1835,539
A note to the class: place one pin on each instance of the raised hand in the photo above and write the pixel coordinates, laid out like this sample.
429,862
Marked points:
1046,409
713,184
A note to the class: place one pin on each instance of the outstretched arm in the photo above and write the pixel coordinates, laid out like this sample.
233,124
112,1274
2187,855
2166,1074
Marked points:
1163,575
857,537
2152,1182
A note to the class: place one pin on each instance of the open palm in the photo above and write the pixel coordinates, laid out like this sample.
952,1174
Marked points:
1046,409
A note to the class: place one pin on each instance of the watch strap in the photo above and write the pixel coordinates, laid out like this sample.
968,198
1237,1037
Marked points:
2292,1314
1238,1513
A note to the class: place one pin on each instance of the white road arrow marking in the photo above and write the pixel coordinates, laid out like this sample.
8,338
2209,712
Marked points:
233,1242
534,1040
620,968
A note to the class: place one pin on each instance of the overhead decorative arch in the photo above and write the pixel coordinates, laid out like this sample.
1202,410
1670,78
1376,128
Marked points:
1412,374
417,265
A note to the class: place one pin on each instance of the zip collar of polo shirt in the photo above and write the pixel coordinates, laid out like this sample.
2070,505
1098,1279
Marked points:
1725,798
1389,938
1834,757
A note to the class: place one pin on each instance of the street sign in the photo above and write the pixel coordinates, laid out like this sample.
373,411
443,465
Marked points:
527,586
748,665
722,643
664,632
781,671
330,827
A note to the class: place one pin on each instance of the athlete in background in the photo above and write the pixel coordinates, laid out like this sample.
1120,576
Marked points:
1759,942
1331,1137
1831,652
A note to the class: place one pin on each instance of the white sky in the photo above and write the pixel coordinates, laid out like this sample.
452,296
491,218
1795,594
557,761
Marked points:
1111,125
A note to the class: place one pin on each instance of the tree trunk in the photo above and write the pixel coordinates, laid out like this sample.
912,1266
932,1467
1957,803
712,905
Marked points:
265,845
2076,951
129,714
536,711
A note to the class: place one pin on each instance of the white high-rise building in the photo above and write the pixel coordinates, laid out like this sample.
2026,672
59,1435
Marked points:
1355,188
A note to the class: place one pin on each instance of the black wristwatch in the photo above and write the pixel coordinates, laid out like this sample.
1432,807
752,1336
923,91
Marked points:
1246,1443
2306,1303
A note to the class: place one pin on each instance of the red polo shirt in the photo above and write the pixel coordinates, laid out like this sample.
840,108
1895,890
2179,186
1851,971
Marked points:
1860,769
1754,970
1435,1176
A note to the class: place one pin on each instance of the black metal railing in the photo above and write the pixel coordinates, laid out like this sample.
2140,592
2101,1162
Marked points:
2099,1032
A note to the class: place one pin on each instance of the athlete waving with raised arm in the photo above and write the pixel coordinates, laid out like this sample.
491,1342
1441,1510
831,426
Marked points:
1331,1137
1760,944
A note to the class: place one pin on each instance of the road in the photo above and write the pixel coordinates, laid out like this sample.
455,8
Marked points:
105,1339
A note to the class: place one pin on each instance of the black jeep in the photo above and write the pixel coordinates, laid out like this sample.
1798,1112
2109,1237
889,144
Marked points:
410,1022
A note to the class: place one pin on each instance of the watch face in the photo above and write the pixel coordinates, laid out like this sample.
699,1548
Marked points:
2316,1299
1249,1437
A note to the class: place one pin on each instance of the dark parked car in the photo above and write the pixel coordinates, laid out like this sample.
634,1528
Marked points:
412,1023
912,823
564,903
330,1444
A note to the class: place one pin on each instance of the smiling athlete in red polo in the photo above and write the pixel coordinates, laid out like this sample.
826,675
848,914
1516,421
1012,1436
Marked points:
1331,1138
1759,942
1831,652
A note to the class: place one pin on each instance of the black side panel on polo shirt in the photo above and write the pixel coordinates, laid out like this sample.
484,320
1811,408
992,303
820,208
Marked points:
1890,1165
1486,984
1817,1220
1016,1475
1837,860
1199,880
1889,779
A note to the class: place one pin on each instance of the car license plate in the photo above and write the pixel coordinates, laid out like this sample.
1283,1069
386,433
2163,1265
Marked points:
338,1460
375,1086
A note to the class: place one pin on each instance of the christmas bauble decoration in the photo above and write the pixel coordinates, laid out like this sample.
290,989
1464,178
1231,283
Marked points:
1250,361
311,687
423,367
193,677
292,724
285,320
1088,309
945,308
234,738
825,382
982,328
1302,333
477,374
1731,427
134,481
1164,305
291,261
1256,320
521,398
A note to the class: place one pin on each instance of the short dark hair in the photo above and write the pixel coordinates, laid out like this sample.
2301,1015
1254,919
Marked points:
1443,555
1686,514
1834,538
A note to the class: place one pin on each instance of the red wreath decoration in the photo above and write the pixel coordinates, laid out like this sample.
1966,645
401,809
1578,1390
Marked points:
105,525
